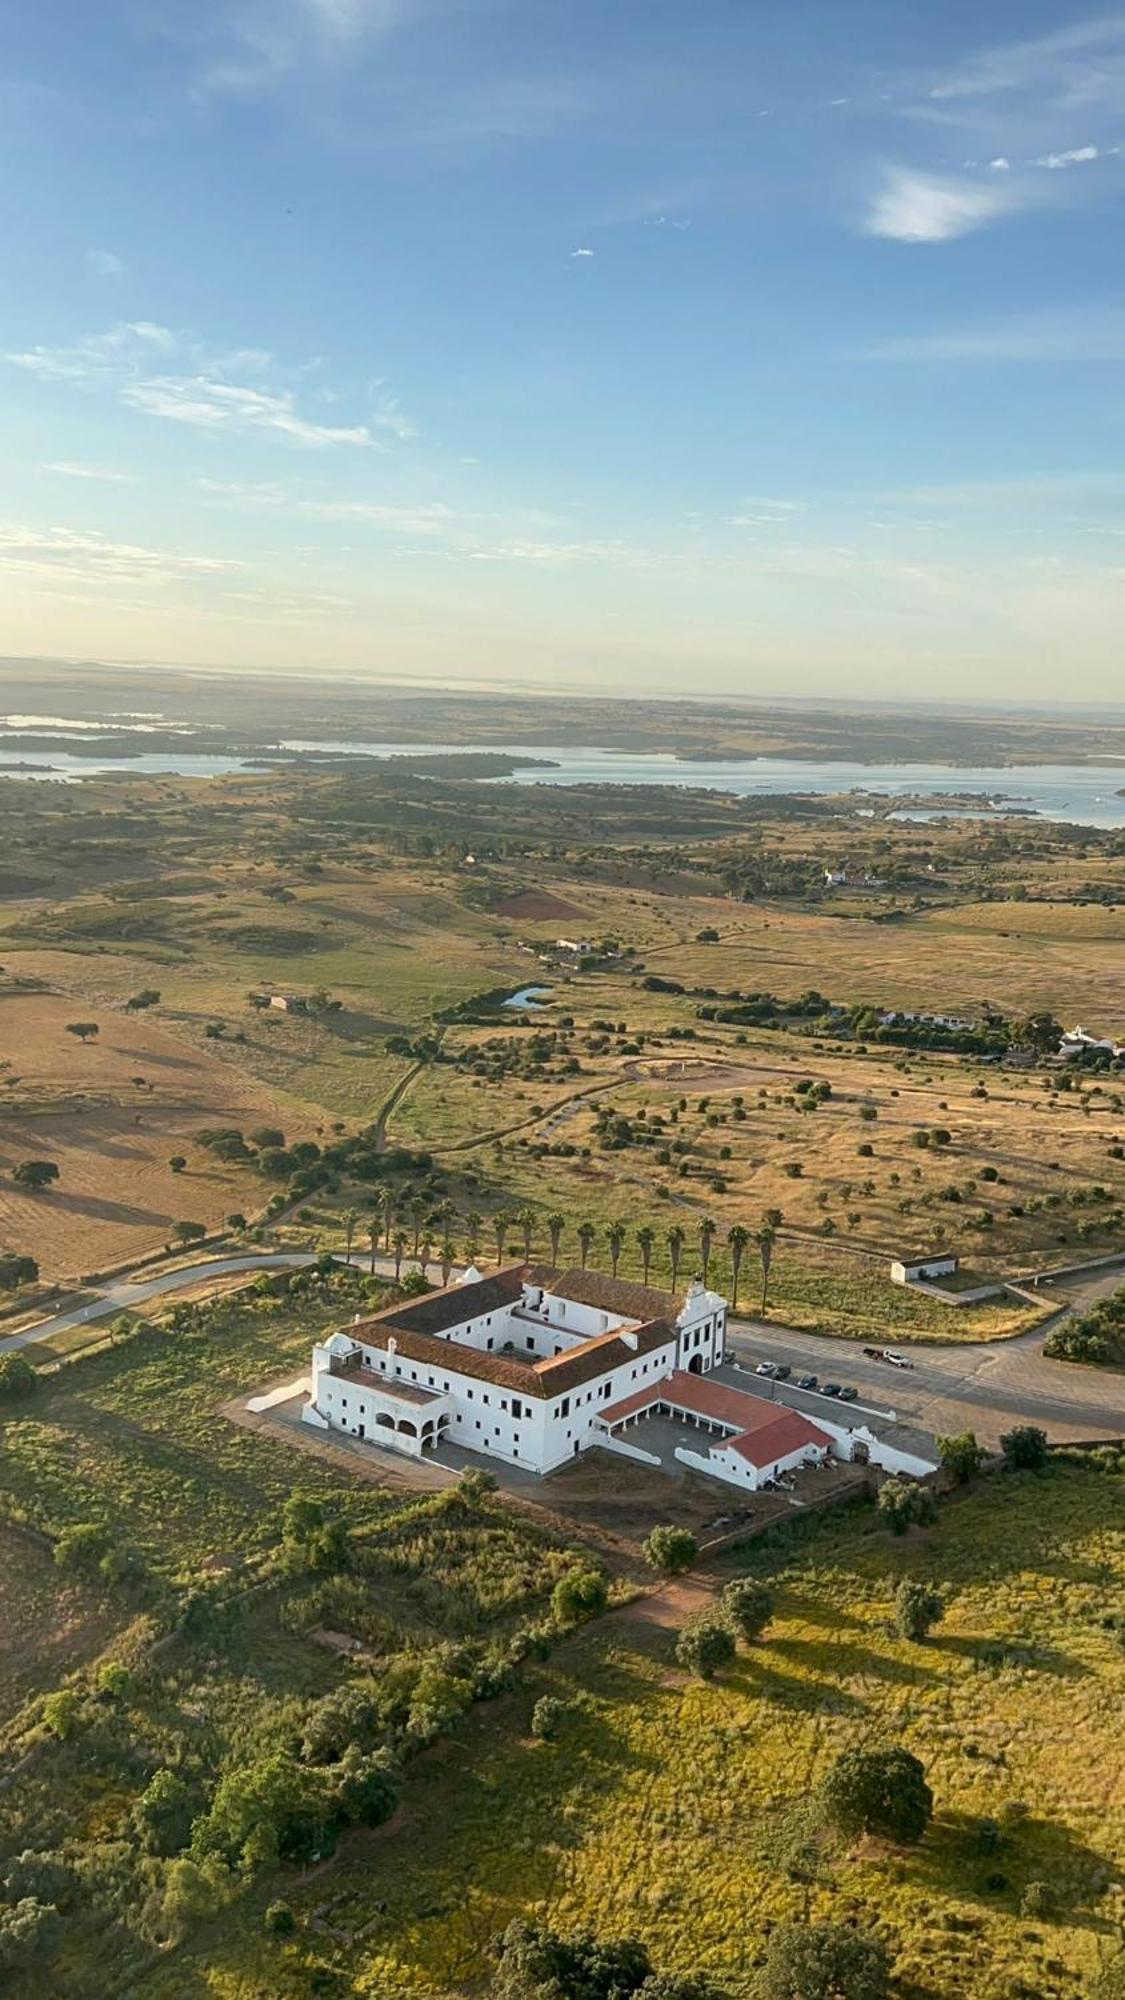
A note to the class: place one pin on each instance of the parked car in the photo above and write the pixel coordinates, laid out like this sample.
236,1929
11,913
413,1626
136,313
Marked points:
782,1371
848,1395
807,1382
831,1389
765,1368
896,1360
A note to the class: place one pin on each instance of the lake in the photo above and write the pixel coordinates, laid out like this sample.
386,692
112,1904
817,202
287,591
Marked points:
1085,794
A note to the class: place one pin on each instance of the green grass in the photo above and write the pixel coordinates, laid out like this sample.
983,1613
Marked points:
666,1806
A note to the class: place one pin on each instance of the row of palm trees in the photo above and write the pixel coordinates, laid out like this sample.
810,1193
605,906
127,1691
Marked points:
429,1239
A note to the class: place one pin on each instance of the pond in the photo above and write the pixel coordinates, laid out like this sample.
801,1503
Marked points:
527,1000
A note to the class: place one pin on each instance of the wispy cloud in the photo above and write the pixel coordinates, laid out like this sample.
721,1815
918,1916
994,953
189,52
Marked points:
231,406
1082,64
582,253
72,469
86,555
265,41
1078,156
106,263
126,359
1096,333
914,207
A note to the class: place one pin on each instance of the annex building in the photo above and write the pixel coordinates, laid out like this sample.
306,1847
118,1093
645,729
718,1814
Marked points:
524,1365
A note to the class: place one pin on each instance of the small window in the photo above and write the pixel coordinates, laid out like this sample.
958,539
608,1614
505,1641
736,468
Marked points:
564,1409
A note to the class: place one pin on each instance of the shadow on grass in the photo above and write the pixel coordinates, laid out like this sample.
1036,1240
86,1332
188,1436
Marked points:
995,1655
844,1657
758,1678
992,1863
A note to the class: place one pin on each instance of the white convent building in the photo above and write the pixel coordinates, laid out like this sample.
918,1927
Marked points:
522,1365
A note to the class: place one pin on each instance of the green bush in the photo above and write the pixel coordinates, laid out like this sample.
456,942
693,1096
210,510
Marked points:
903,1505
878,1791
672,1550
1025,1448
18,1379
825,1962
917,1609
749,1606
548,1716
580,1594
705,1646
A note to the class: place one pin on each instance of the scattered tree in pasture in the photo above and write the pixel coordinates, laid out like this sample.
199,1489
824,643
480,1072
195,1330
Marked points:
18,1379
749,1606
879,1791
580,1594
188,1232
84,1030
17,1270
177,1162
704,1647
917,1609
671,1549
903,1504
35,1174
825,1962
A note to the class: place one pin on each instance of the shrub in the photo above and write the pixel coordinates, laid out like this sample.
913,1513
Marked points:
749,1606
163,1814
961,1456
476,1486
80,1549
547,1717
16,1270
1036,1900
825,1962
62,1714
27,1932
917,1609
704,1647
269,1810
279,1920
903,1505
580,1594
672,1550
18,1379
1025,1448
880,1792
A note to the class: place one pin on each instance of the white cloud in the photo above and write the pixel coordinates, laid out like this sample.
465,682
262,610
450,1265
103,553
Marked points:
72,469
202,393
913,207
582,253
231,406
106,263
84,555
1083,63
1000,165
267,40
100,356
1078,156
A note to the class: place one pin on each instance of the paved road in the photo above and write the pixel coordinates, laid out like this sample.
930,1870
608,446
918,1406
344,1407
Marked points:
980,1385
126,1292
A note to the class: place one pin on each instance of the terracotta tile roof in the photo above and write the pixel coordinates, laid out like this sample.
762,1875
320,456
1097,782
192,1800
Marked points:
418,1325
789,1431
702,1396
614,1295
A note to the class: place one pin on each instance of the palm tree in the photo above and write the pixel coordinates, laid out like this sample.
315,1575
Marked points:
425,1252
586,1235
556,1223
765,1238
349,1218
399,1242
706,1237
385,1205
417,1216
373,1239
738,1240
501,1223
675,1242
527,1219
646,1243
615,1237
447,1256
474,1223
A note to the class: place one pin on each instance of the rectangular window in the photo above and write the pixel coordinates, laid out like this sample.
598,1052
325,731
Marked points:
503,1402
531,1342
564,1408
517,1407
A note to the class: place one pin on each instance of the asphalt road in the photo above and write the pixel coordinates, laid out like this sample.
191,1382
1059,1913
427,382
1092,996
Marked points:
984,1386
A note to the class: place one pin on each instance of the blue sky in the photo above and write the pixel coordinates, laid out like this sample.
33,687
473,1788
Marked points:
720,348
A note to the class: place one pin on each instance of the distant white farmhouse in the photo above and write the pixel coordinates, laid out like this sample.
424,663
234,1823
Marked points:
1076,1042
922,1270
522,1365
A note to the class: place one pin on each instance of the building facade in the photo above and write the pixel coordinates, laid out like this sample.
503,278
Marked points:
518,1366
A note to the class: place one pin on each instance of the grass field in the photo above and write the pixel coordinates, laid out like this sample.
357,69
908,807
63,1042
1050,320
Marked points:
671,1809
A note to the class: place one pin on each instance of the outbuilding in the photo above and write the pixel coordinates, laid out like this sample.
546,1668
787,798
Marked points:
924,1269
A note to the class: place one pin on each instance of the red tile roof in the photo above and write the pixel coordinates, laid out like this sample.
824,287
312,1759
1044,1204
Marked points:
765,1432
699,1395
788,1432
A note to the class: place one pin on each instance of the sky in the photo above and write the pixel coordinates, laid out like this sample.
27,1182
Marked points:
719,349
